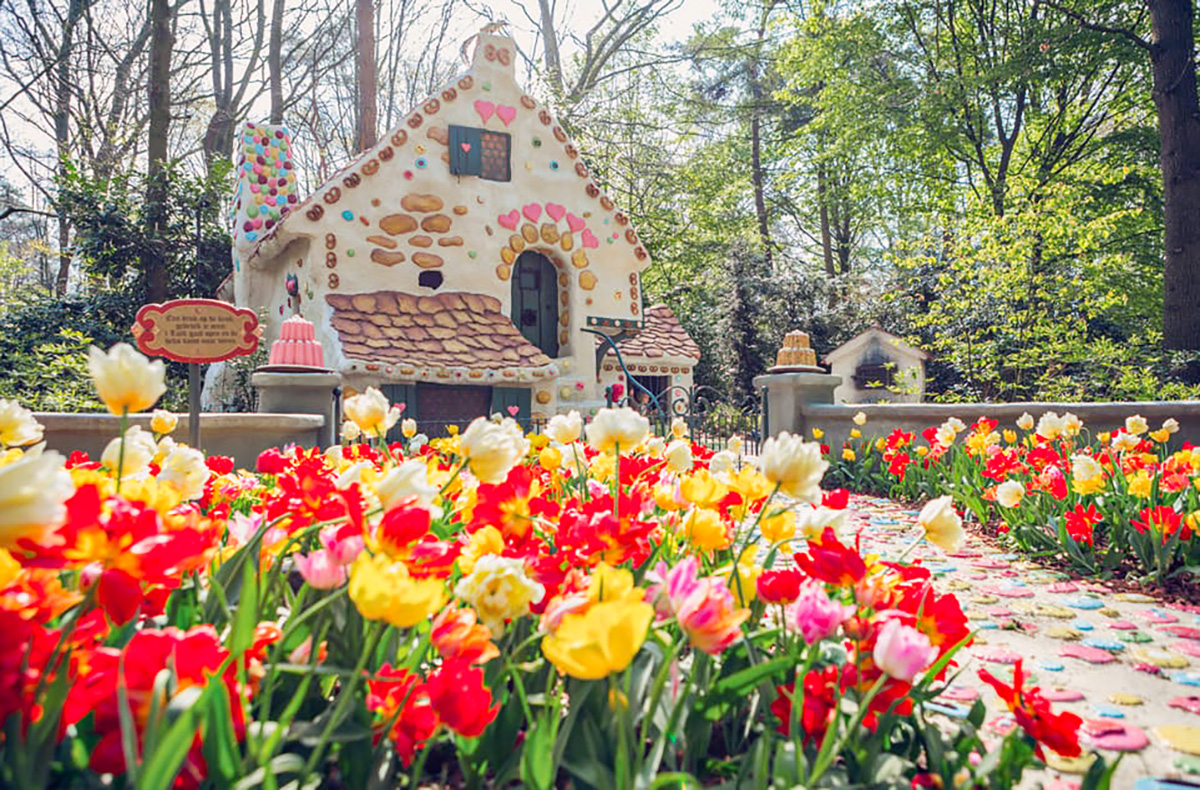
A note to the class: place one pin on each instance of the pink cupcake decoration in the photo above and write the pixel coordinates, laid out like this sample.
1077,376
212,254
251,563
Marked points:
297,345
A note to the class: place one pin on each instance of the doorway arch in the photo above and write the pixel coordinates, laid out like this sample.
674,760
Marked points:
535,301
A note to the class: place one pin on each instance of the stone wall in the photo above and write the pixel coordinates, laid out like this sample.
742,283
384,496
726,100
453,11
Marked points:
240,436
882,419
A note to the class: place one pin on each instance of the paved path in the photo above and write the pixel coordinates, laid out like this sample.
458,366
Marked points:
1129,666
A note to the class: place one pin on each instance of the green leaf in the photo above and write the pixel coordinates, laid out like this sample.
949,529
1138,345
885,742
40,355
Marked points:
221,753
246,619
537,758
184,712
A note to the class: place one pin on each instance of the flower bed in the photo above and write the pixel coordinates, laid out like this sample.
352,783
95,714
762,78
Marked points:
1120,503
592,609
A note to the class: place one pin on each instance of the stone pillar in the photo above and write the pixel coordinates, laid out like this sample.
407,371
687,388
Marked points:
788,393
301,393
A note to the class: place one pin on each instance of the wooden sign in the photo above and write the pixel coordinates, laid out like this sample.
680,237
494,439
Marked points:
196,330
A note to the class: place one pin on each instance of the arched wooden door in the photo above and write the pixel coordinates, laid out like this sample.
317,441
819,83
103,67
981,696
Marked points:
535,301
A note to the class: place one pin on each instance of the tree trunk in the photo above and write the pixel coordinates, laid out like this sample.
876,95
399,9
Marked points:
823,208
62,135
368,112
756,169
161,41
1175,97
550,47
275,62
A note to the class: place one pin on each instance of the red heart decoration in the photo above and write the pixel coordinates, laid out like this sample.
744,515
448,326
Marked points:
513,410
510,219
465,146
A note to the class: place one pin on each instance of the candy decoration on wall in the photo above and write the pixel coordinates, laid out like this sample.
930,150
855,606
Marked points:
266,191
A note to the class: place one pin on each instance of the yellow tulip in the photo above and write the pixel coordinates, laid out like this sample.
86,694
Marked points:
705,530
1139,484
550,458
382,589
602,640
778,526
848,454
702,488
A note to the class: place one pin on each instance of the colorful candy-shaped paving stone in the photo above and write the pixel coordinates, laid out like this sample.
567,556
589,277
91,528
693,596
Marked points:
1190,704
1091,655
1187,678
1182,737
1084,603
1119,698
1105,644
1182,631
1160,657
1113,735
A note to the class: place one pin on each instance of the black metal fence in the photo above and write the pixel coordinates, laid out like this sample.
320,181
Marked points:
712,419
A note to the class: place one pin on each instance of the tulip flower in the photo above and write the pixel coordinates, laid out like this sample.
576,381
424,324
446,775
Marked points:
126,381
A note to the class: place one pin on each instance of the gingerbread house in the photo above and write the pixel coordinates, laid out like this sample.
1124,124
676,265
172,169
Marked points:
461,263
661,357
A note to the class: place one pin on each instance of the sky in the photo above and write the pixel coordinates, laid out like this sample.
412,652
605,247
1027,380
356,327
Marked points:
576,17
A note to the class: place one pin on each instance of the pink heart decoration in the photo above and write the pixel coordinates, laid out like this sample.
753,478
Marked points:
575,223
506,113
513,410
532,212
400,407
485,109
510,219
589,239
466,147
555,211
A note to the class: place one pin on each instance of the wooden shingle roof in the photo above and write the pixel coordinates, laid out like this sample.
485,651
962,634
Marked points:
663,336
446,331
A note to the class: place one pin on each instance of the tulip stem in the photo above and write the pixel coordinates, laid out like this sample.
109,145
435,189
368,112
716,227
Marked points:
121,450
826,755
345,696
457,470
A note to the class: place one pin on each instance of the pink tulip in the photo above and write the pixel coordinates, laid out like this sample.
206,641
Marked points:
902,651
704,608
320,569
815,615
344,543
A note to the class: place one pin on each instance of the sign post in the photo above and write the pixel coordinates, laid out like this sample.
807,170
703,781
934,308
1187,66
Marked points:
196,331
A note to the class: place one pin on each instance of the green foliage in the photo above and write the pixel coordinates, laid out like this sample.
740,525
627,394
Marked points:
53,376
112,232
